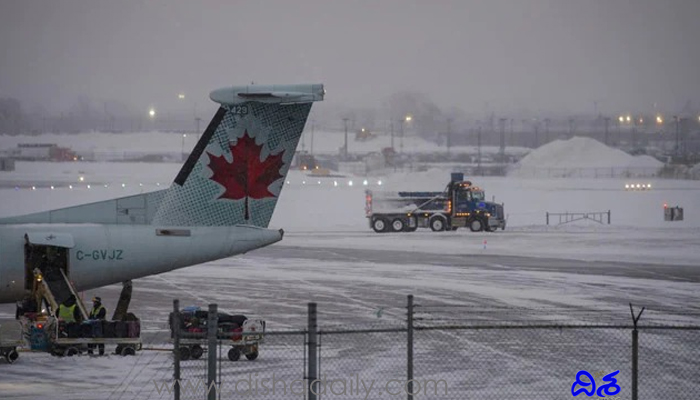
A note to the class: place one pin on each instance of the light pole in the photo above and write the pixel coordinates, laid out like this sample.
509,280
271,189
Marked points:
546,129
391,125
407,118
152,116
182,148
303,142
345,147
478,149
181,96
502,139
607,122
571,127
678,136
448,142
197,120
312,136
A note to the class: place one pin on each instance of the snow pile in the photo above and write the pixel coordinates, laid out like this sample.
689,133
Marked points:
584,156
695,171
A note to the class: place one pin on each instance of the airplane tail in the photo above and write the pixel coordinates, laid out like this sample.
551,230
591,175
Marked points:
237,170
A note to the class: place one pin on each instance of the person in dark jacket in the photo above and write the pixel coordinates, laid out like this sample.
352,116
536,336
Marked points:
98,313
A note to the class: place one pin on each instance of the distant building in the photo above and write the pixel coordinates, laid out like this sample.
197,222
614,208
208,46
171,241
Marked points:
44,152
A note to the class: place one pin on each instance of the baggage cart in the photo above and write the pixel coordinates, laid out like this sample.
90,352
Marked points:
244,335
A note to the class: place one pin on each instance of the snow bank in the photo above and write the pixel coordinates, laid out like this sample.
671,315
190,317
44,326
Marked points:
695,171
585,156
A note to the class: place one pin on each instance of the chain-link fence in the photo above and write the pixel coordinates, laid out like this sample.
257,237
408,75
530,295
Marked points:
278,372
458,353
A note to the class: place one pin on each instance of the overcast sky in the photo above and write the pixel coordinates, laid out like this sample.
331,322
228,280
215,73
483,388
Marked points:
551,55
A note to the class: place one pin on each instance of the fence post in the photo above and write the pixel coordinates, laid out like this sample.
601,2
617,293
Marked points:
635,352
176,343
635,367
212,328
608,217
409,347
547,216
312,373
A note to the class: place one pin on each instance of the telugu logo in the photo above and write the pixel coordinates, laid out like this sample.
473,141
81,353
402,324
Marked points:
610,388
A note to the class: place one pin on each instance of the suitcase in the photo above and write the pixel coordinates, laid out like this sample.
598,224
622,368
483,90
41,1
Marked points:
73,330
86,330
109,329
134,329
237,334
120,330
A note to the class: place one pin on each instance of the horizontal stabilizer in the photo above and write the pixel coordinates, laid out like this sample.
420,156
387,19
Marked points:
268,94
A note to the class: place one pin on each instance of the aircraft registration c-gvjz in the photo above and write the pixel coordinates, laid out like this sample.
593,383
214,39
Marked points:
219,204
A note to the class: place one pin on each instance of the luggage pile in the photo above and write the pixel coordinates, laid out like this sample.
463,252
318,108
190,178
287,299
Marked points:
99,329
245,334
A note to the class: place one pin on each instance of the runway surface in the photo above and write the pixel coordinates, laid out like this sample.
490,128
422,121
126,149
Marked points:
367,289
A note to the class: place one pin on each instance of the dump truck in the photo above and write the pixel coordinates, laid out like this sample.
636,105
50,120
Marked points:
460,205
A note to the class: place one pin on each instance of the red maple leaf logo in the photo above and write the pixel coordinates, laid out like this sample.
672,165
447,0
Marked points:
246,176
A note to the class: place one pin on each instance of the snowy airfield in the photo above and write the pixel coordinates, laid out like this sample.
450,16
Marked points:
330,256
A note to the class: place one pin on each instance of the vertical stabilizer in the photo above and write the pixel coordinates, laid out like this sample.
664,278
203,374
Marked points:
237,169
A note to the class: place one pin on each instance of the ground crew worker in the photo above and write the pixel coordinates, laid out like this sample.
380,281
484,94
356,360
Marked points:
68,311
99,313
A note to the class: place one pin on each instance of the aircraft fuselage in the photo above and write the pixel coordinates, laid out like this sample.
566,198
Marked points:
108,254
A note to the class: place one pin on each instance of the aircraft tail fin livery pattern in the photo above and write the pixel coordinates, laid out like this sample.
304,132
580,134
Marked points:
237,169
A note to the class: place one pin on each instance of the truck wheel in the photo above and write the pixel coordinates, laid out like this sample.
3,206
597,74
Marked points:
437,224
234,354
379,225
196,352
11,356
476,225
398,225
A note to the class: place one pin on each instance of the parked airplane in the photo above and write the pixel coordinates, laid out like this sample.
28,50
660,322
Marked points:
219,204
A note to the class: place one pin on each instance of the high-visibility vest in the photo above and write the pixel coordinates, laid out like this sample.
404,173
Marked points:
66,313
95,311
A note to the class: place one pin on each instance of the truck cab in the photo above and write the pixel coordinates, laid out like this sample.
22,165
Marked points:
467,207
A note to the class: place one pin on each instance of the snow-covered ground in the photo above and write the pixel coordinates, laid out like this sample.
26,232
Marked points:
330,255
